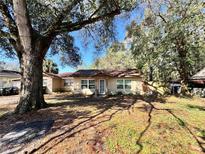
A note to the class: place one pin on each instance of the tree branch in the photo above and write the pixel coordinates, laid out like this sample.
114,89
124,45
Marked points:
68,27
8,20
59,19
162,18
97,10
4,34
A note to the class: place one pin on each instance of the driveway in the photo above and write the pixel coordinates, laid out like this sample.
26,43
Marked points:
5,100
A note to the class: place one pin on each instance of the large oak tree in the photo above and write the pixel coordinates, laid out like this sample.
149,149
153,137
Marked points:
29,28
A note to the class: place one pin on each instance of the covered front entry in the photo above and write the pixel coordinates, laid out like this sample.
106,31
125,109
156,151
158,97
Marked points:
102,86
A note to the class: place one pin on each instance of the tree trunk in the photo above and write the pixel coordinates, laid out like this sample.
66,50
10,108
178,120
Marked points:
183,65
31,92
183,71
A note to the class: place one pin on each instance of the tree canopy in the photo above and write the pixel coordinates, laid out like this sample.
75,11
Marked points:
50,67
116,57
170,40
56,18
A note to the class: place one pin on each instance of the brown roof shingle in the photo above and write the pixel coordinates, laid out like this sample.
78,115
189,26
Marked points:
109,73
64,75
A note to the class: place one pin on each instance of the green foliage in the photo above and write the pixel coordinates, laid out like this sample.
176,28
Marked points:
117,57
170,40
50,67
60,15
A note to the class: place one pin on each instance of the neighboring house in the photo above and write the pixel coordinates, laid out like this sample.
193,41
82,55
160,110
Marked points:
107,82
9,78
197,83
198,80
52,82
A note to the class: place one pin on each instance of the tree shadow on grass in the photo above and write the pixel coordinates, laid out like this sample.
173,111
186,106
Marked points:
201,108
202,134
150,108
116,104
19,130
98,102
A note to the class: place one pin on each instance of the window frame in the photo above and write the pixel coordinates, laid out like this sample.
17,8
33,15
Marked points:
88,84
124,84
84,84
128,85
120,84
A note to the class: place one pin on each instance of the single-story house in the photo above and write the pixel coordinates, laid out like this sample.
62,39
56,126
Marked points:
9,78
107,81
86,82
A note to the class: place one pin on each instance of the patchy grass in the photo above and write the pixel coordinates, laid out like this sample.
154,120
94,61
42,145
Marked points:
117,125
176,126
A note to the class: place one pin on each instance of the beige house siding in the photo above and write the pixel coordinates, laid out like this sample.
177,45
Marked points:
136,85
57,84
67,88
52,84
49,84
111,84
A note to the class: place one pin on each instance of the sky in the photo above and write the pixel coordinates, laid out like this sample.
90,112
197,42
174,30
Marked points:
88,53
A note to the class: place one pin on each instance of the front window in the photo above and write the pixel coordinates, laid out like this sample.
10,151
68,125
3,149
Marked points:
127,84
119,84
91,84
84,84
124,84
87,84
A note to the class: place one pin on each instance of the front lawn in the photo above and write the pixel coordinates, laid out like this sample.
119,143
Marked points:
117,125
174,126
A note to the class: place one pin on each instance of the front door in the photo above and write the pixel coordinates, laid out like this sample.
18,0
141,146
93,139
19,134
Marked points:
102,87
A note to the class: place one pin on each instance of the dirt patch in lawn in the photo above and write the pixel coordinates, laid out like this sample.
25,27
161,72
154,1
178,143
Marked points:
116,125
76,121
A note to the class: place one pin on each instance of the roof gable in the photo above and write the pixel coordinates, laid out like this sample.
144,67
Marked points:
65,75
51,75
199,75
10,74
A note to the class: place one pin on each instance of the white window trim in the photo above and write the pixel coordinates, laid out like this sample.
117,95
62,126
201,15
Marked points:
104,86
88,83
124,84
